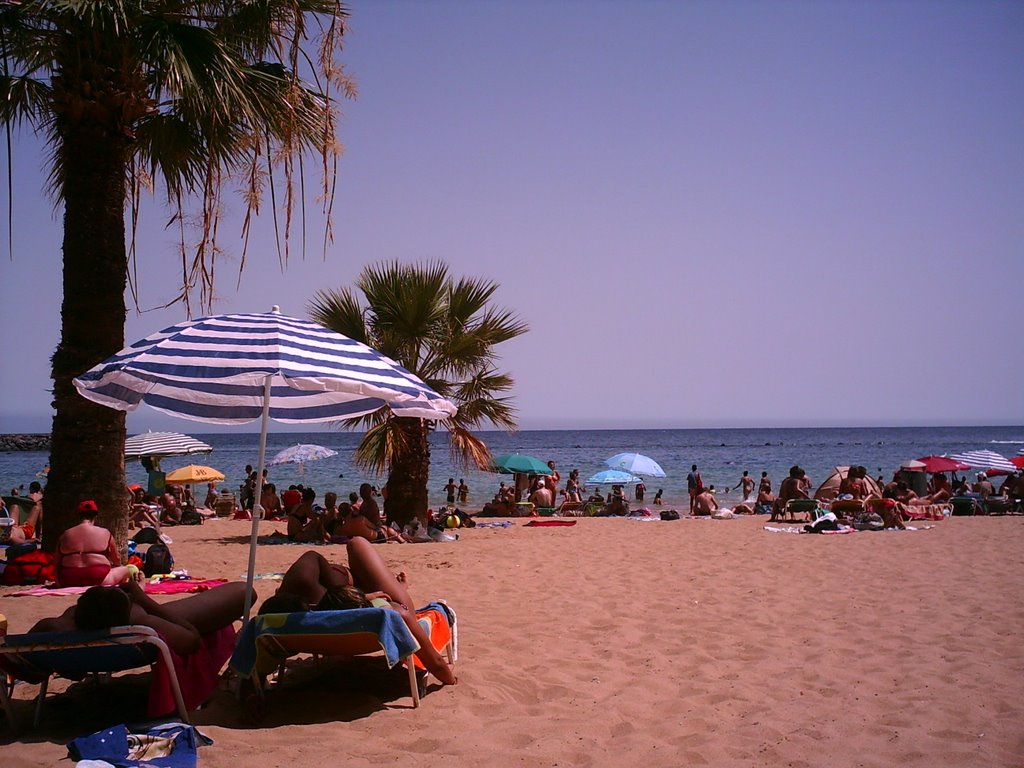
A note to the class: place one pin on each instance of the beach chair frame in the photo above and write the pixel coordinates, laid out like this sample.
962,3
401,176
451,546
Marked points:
21,655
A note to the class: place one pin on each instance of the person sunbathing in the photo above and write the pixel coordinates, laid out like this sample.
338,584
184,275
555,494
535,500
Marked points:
87,555
705,503
181,623
790,488
311,583
303,524
26,531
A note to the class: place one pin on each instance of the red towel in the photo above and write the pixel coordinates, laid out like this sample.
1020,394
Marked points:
198,673
545,523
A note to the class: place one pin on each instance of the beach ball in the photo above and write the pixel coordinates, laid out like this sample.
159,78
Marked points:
452,521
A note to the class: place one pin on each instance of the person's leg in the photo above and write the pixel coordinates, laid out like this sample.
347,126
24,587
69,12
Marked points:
309,576
211,610
118,575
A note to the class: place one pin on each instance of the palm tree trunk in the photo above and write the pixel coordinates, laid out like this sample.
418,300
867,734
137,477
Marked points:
408,474
87,454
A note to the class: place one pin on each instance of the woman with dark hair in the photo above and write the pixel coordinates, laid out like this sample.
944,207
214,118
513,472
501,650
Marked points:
181,623
87,555
314,584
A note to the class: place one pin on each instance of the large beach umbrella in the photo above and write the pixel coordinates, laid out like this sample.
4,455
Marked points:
613,477
300,453
935,464
985,460
636,463
161,444
516,463
234,369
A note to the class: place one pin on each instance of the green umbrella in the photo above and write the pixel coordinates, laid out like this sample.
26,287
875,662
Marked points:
513,463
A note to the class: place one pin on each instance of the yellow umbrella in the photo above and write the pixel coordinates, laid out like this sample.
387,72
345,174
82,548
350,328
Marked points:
193,473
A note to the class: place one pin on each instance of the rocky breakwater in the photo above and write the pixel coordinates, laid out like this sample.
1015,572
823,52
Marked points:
24,442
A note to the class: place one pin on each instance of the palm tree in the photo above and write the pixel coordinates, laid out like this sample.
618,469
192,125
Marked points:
442,330
129,93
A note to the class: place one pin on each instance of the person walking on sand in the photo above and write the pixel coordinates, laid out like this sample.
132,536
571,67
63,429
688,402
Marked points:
694,485
747,482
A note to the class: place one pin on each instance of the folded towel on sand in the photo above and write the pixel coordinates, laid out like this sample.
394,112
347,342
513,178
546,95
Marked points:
166,587
548,523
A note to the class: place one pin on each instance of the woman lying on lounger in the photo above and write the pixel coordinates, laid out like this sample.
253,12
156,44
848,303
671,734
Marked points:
313,584
181,623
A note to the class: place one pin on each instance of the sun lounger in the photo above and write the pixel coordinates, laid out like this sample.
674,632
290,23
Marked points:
966,506
34,658
269,640
808,507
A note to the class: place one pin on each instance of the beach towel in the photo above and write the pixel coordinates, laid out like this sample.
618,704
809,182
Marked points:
198,673
165,587
258,651
495,524
172,745
548,523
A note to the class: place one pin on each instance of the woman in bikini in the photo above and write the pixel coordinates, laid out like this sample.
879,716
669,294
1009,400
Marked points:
87,555
314,584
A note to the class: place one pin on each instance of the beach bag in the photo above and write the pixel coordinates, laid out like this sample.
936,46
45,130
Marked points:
158,560
36,567
868,521
146,536
669,514
189,516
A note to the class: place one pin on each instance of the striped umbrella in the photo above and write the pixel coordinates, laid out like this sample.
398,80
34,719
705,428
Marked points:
234,369
160,444
985,460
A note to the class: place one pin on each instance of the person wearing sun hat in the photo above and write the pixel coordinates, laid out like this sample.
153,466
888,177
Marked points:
87,554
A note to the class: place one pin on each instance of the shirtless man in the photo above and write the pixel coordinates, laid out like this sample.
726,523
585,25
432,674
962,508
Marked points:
705,503
747,483
791,488
764,490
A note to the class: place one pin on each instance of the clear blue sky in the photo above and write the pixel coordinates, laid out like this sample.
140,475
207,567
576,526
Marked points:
710,214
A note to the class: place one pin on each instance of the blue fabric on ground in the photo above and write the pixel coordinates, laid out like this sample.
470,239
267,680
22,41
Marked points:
115,745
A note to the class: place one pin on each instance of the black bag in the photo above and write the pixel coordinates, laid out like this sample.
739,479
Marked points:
669,514
158,560
146,536
189,516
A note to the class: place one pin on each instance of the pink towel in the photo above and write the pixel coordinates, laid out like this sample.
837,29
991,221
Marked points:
175,586
198,673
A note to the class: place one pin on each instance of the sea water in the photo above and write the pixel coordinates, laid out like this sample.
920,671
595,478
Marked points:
721,455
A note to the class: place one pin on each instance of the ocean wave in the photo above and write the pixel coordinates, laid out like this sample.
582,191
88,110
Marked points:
1007,442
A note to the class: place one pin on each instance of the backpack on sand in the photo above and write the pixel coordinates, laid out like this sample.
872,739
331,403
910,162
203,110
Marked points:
158,560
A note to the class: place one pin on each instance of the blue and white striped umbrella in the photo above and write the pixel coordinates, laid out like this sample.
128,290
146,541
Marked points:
233,369
985,460
159,444
215,369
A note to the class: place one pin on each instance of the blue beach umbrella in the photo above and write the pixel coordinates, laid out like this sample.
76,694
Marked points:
613,477
516,463
234,369
636,463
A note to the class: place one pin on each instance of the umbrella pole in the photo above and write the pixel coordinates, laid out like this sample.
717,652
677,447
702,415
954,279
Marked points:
257,510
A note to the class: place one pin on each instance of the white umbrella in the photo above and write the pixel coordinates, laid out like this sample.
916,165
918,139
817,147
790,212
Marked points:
300,454
636,463
985,460
234,369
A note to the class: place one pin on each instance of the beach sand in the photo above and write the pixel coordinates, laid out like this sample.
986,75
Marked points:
617,642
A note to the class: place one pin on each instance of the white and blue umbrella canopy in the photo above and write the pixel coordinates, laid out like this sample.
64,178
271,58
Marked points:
160,444
613,477
636,463
215,369
301,453
234,369
985,460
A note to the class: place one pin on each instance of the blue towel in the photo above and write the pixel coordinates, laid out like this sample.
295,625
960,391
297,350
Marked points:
173,745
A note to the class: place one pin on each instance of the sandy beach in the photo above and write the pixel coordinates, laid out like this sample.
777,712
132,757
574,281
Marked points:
616,642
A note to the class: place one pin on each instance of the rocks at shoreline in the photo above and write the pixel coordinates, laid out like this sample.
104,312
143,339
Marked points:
24,442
